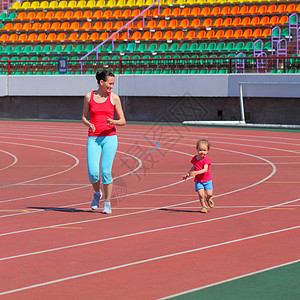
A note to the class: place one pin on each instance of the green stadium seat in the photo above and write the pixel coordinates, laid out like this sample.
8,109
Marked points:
184,47
57,49
152,48
220,47
68,49
120,49
131,47
163,48
141,48
24,58
230,46
240,46
4,58
46,49
174,47
27,49
37,49
89,48
34,58
8,49
202,47
3,16
1,49
11,16
79,49
18,49
249,46
211,47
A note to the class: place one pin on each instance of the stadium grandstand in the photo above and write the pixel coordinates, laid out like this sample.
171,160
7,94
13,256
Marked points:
149,37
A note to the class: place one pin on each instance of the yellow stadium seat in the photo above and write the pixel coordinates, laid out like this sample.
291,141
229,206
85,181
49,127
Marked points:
62,4
81,4
44,5
91,4
72,4
35,5
15,6
53,4
25,5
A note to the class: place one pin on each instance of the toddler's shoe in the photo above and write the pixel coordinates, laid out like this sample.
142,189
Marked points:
210,202
106,208
203,210
95,202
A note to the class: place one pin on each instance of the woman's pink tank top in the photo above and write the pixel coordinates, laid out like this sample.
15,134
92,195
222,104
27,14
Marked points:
99,112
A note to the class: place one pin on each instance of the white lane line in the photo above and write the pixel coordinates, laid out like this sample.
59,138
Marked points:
231,279
147,260
13,163
143,232
161,187
47,176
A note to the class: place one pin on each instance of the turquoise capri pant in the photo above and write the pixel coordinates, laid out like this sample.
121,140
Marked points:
107,146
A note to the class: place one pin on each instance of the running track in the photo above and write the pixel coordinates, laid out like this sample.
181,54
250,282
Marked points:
156,243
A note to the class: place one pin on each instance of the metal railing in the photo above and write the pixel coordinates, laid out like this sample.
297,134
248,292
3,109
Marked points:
211,65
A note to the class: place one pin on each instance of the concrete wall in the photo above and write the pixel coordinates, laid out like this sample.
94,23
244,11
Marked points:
164,98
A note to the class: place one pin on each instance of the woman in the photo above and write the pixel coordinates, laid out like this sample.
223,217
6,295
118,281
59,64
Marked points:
102,137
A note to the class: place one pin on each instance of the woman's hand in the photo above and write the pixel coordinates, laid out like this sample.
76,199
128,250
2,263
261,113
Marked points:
110,121
92,128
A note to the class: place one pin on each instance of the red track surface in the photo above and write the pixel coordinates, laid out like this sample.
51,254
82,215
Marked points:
156,243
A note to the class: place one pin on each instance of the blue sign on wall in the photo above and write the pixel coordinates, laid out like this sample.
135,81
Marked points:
62,66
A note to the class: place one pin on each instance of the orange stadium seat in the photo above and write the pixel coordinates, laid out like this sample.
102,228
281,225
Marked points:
117,14
227,22
153,13
65,26
46,26
51,15
207,23
225,11
264,21
108,25
8,27
291,8
97,26
168,35
190,35
178,35
73,37
245,21
205,11
32,37
195,23
94,37
135,36
244,10
200,35
228,34
184,23
281,9
26,26
40,15
146,35
271,9
175,12
255,21
238,33
151,24
215,11
195,12
83,37
210,34
219,34
166,12
87,14
97,14
157,35
55,26
173,23
77,15
235,10
247,33
68,15
13,38
41,37
22,38
253,9
262,9
21,16
36,26
61,37
30,15
162,24
51,37
139,25
4,37
74,26
86,26
257,33
218,22
185,12
266,32
236,21
107,14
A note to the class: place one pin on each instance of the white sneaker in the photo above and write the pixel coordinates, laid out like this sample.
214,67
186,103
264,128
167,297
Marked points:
106,208
95,202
